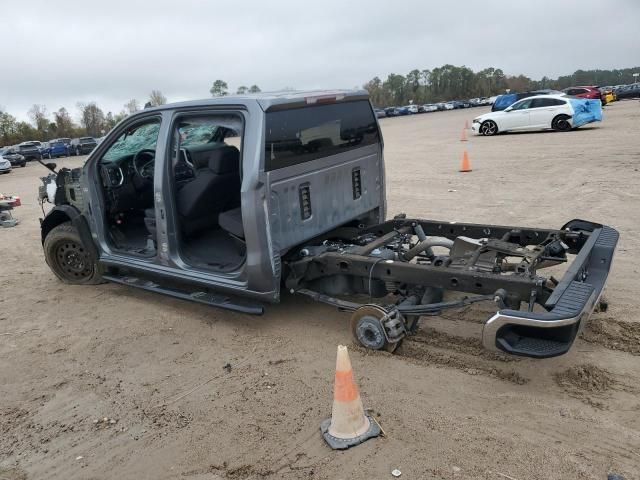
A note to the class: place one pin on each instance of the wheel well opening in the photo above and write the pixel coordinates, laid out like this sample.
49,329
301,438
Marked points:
51,221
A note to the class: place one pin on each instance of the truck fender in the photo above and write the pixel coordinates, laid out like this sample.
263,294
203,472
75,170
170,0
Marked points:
68,213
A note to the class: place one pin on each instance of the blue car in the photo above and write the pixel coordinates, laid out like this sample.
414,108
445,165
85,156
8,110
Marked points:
57,148
45,150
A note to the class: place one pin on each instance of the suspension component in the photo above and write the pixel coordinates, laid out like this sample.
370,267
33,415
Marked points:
378,328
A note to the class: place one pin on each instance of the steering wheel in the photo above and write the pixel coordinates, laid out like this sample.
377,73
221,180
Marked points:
144,163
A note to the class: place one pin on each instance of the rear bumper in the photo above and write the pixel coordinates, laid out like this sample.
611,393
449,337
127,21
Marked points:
551,333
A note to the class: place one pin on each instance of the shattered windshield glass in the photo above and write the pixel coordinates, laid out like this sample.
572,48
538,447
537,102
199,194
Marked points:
132,141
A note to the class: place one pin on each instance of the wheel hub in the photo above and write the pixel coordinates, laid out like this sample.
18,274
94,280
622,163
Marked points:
72,259
369,331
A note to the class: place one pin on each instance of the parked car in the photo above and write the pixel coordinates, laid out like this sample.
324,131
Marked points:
540,112
447,106
82,145
66,141
391,111
30,150
607,95
58,149
412,109
12,155
585,92
5,165
430,107
380,113
402,110
45,149
628,91
503,101
240,232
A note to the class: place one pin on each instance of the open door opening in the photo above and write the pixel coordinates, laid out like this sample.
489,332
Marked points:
207,175
126,173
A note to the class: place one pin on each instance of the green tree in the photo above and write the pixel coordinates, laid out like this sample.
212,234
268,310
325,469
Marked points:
219,88
242,90
8,129
64,124
92,119
254,89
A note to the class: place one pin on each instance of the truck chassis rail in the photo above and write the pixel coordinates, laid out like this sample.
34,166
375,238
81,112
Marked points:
395,261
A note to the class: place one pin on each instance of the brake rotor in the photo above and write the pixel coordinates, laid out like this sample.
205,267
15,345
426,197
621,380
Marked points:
367,329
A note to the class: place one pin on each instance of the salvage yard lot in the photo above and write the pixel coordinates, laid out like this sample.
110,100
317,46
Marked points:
154,367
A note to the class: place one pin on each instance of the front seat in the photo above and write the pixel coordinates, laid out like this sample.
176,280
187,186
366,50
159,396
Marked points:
215,188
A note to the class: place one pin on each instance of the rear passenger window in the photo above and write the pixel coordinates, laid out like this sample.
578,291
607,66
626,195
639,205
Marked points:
546,102
304,134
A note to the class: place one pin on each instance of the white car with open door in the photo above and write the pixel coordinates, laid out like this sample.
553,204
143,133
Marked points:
532,113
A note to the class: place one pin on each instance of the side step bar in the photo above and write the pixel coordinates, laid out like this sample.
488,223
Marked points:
208,298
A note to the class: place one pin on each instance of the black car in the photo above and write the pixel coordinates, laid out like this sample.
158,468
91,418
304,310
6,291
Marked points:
82,145
29,151
13,156
628,91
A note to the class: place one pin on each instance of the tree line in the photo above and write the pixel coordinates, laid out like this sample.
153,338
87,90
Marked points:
450,82
93,121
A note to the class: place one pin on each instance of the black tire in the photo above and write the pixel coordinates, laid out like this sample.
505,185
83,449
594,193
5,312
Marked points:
78,152
23,164
561,123
488,128
69,259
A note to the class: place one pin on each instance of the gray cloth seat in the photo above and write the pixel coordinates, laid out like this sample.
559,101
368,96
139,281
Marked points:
216,187
231,221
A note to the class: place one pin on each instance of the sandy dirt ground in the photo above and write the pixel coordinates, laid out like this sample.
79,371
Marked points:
111,382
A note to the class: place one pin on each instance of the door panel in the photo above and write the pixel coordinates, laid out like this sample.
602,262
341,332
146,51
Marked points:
514,120
541,117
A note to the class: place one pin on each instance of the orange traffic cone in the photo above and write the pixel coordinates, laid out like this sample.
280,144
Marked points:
348,425
465,166
463,137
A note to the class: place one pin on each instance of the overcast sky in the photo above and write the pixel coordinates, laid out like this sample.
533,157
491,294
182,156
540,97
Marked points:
58,53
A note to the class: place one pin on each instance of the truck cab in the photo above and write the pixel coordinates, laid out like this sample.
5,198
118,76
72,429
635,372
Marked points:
215,192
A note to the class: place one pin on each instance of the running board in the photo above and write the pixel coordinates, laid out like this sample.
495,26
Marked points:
219,300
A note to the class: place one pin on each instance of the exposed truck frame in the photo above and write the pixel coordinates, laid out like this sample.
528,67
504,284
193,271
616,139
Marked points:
315,225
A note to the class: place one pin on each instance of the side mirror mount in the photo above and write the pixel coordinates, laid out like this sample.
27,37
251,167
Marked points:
51,166
508,109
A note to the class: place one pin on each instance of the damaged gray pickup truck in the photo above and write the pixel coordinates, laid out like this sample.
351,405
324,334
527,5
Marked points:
229,200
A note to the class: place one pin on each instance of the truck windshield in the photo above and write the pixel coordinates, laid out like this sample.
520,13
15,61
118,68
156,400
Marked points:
132,141
304,134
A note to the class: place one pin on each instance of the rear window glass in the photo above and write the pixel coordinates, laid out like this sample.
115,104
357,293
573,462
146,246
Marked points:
305,134
546,102
87,140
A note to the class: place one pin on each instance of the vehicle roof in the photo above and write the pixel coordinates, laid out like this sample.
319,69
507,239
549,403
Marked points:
266,100
559,96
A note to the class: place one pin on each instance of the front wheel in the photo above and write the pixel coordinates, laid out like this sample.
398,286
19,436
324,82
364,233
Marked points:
488,128
561,123
69,258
